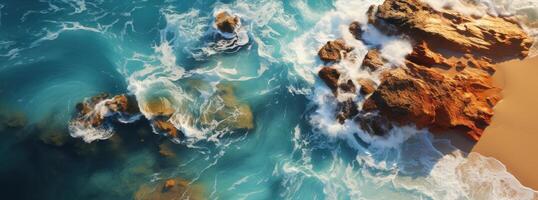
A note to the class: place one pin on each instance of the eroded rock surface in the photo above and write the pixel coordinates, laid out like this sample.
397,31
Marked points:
334,51
446,81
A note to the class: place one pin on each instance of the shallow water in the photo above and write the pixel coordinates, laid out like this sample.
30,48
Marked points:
55,53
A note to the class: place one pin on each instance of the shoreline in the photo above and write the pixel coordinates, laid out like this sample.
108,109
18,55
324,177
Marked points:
511,137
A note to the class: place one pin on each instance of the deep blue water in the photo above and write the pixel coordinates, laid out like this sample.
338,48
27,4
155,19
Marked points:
55,53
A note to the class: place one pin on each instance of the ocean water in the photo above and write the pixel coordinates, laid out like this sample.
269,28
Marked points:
55,53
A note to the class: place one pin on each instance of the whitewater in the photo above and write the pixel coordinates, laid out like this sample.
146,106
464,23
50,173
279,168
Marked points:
55,53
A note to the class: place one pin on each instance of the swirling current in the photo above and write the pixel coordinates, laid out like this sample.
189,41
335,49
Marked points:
55,53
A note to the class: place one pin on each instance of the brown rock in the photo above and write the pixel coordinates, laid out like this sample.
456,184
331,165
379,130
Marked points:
446,81
334,51
495,37
330,76
367,86
169,184
226,22
123,103
373,60
356,30
402,99
86,114
164,126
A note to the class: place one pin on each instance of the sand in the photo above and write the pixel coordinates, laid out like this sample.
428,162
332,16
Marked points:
512,137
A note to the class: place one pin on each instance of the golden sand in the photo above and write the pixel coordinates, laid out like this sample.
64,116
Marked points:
512,137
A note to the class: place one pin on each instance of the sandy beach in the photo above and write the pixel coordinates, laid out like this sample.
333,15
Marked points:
513,135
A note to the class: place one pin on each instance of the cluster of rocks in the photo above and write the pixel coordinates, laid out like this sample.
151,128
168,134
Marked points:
224,112
444,83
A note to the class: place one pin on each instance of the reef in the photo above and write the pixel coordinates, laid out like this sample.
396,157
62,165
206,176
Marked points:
446,81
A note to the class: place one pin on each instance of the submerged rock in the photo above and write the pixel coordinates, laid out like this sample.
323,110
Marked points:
445,83
14,120
174,188
225,112
226,23
158,107
165,150
334,51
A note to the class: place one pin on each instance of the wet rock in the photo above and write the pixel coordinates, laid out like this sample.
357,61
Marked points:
225,112
367,86
175,188
347,87
355,29
402,99
163,126
226,23
124,104
374,124
346,110
495,37
330,77
334,51
446,80
158,107
373,60
93,111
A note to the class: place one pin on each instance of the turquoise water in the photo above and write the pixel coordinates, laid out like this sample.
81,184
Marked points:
55,53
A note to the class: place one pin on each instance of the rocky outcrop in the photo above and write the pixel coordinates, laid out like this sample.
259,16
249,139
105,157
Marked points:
226,23
498,38
334,51
446,81
93,111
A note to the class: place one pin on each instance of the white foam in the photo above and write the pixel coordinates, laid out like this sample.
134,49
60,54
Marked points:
456,5
395,51
89,134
